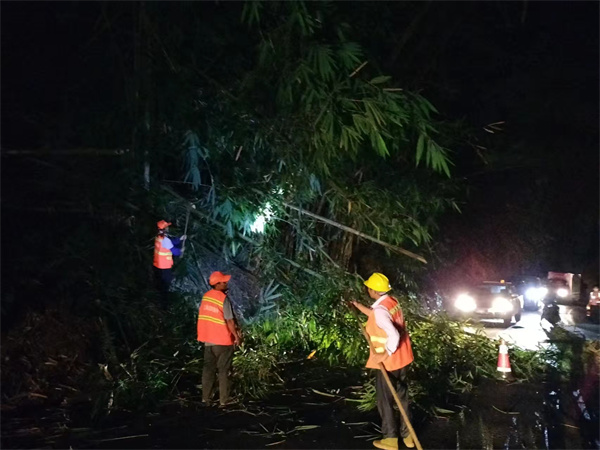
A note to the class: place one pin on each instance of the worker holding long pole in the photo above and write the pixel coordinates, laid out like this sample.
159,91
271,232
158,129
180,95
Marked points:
391,353
165,248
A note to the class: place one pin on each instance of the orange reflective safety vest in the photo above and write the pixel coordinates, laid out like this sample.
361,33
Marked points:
403,355
211,320
163,258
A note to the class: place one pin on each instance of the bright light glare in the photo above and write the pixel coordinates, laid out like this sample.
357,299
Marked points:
531,294
261,220
562,292
501,305
465,303
536,293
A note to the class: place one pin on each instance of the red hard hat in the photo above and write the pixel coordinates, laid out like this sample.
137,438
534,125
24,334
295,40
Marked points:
218,277
163,224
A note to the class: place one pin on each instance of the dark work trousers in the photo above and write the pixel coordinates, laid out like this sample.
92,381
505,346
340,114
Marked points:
216,358
386,402
163,278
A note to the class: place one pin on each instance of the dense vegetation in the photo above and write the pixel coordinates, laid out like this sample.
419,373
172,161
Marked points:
307,165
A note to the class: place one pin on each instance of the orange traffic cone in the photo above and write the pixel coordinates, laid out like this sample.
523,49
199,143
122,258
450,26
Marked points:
503,361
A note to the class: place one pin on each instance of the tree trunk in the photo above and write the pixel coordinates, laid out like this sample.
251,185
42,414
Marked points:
140,108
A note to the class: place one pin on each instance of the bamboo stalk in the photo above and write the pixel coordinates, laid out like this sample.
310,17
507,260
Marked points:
358,69
187,219
241,236
315,216
123,437
75,151
358,233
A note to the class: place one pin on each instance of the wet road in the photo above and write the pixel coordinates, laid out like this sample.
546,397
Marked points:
574,320
529,334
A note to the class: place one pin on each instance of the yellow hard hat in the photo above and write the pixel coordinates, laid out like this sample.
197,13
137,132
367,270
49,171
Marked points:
378,282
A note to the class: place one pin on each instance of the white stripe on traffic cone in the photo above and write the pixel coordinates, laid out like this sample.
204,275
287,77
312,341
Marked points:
503,361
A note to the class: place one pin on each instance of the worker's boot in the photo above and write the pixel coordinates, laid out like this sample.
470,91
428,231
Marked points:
408,441
387,443
228,404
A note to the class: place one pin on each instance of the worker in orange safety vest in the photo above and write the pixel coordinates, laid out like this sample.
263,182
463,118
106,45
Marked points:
165,247
391,344
591,309
219,332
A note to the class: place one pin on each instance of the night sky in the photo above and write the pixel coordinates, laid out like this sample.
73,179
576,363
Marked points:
536,69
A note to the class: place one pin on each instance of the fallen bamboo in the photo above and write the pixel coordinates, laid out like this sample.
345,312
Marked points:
240,235
135,436
358,233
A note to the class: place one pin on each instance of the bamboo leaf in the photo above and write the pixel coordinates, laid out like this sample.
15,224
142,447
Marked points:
251,12
381,79
381,146
305,427
420,148
429,105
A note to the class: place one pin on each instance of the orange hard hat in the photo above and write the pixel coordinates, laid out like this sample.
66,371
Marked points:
218,277
162,224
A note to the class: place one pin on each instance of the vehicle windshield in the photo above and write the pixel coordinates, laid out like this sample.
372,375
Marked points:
556,283
492,289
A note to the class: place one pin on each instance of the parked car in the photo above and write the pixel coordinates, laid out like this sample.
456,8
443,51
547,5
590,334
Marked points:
533,292
489,300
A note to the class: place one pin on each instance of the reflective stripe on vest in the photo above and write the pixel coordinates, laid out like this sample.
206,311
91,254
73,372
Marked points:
378,340
212,326
163,258
210,319
403,354
212,300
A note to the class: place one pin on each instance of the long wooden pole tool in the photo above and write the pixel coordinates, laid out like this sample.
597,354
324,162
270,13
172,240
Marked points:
187,219
390,385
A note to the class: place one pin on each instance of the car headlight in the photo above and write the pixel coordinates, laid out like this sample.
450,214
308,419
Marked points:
562,292
465,303
536,293
502,305
532,294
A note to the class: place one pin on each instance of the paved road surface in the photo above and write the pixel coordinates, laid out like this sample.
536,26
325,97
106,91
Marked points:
574,320
529,334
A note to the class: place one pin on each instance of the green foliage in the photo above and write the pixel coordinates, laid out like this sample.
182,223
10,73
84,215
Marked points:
441,347
532,365
301,120
570,356
305,118
368,397
450,361
314,318
255,370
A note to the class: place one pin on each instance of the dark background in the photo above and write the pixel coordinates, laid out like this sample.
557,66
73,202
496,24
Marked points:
533,192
